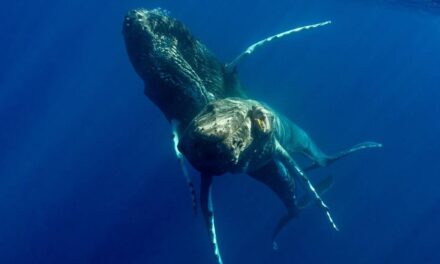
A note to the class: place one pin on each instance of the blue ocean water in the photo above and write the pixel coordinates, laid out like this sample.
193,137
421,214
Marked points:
87,169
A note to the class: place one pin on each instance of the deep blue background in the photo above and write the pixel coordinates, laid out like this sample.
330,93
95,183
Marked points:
87,170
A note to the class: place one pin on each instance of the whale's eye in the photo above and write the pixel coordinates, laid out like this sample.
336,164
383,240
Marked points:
260,123
260,120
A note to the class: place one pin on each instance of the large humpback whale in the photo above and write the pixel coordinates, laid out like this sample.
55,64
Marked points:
215,125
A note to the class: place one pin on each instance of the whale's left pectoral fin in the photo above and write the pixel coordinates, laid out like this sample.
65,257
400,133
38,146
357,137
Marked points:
180,158
208,214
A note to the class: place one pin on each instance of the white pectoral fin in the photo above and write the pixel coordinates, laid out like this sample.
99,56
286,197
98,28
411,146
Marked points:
231,66
323,186
208,214
293,167
180,158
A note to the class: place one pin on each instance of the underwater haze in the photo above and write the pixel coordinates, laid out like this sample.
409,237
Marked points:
88,172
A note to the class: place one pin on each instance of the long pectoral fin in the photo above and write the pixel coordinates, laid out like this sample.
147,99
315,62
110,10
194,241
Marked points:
208,214
180,158
302,203
330,159
322,187
231,66
276,176
293,168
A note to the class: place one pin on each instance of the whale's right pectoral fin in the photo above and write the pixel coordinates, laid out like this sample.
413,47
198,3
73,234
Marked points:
294,169
208,214
302,203
322,187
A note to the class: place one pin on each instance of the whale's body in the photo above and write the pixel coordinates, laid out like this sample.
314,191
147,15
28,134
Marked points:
217,128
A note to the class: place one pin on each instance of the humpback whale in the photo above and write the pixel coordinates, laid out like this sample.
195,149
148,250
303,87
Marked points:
180,74
236,135
215,125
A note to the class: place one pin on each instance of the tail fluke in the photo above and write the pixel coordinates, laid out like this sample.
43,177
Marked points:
330,159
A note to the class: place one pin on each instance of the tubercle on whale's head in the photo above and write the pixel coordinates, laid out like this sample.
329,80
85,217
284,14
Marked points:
162,51
228,135
141,28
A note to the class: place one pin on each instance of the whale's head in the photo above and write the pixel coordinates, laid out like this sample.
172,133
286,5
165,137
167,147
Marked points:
179,72
153,38
229,135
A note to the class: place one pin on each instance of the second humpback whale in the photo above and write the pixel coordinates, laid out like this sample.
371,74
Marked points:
236,135
215,125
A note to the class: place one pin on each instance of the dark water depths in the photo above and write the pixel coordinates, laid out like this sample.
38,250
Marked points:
87,170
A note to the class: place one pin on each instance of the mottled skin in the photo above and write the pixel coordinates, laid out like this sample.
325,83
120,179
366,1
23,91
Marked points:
219,129
180,74
228,135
